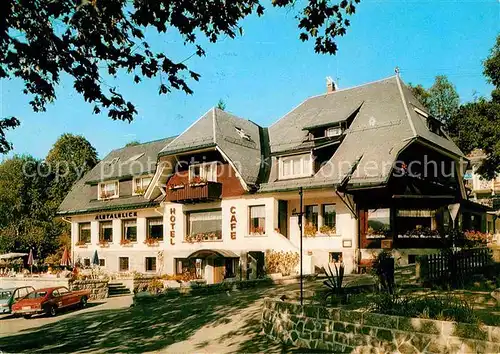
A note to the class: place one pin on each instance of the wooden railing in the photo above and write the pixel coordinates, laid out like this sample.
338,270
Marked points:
207,191
454,266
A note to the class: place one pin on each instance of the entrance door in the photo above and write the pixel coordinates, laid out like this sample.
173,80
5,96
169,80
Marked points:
219,265
283,217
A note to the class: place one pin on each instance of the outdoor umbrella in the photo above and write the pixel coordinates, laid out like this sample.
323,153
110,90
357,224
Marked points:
31,260
95,259
65,260
12,255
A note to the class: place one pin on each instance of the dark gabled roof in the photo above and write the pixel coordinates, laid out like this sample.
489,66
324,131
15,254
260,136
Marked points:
128,161
381,129
119,164
218,128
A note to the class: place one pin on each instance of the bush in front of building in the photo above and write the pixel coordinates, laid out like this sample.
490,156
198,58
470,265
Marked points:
281,262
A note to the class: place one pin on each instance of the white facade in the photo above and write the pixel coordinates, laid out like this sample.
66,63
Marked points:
236,236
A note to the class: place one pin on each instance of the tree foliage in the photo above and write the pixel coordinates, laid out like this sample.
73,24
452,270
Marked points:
441,99
88,39
31,191
69,159
473,125
26,220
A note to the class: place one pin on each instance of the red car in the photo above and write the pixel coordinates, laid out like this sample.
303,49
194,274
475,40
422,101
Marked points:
49,301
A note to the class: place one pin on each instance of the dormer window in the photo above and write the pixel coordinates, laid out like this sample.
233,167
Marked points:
141,184
108,190
295,166
333,131
203,172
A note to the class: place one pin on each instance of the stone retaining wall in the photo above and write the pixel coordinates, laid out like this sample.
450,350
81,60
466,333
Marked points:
36,282
338,330
98,288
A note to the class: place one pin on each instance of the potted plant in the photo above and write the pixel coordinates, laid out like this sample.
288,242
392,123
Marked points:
309,230
125,242
174,187
139,191
197,182
258,230
80,243
327,230
103,243
106,195
151,242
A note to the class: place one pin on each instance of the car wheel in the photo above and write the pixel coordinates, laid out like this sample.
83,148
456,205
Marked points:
52,311
27,316
83,302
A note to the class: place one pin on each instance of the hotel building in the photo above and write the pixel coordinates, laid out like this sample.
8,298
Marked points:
216,198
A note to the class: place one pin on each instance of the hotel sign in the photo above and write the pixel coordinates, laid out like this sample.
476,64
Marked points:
123,215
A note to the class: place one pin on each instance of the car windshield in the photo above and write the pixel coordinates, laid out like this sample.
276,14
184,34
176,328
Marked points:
36,295
4,295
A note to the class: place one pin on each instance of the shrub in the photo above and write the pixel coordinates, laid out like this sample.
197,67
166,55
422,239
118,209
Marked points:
333,283
281,262
155,286
432,307
383,269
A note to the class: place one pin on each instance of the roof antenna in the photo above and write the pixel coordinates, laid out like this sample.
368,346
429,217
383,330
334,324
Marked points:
396,70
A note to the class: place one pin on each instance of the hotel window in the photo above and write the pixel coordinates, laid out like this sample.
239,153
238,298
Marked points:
150,264
333,131
204,225
312,216
84,232
123,264
379,223
106,231
155,228
329,216
108,190
102,262
205,172
257,220
141,184
130,230
335,257
86,262
295,166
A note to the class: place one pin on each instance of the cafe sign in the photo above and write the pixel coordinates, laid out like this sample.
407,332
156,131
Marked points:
122,215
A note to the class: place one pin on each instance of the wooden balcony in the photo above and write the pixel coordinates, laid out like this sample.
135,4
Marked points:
194,192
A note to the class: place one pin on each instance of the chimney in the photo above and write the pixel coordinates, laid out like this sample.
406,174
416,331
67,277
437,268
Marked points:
330,85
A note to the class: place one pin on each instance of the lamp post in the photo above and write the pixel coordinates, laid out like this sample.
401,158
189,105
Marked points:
300,215
301,272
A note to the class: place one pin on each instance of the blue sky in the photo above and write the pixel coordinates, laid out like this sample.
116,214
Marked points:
268,71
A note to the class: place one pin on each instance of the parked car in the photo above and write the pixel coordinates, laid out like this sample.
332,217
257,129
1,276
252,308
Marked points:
49,301
9,296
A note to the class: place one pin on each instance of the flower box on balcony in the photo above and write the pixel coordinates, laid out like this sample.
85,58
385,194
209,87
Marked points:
151,242
139,191
257,231
106,195
328,230
125,242
81,244
176,187
204,237
103,243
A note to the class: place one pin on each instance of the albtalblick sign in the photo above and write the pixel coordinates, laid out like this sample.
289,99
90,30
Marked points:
122,215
